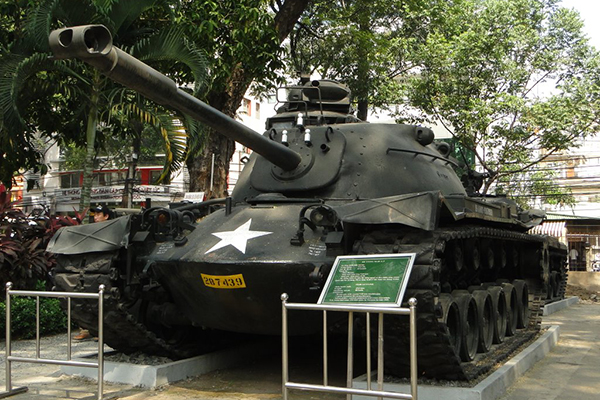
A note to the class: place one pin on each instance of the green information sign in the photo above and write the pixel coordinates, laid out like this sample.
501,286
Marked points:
368,280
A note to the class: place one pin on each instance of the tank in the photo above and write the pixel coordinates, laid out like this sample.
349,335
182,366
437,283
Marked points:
319,184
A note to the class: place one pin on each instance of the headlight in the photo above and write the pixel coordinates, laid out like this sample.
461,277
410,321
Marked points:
163,219
323,216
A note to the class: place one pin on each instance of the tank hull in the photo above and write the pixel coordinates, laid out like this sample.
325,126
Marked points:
226,276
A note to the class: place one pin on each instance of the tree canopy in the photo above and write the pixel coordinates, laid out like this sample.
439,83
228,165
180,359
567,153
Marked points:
241,38
67,98
366,44
244,41
514,81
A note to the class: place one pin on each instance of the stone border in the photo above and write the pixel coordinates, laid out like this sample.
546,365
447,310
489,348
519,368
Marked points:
151,376
491,388
560,305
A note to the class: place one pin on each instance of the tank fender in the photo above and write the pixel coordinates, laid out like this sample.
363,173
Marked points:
419,210
487,209
98,237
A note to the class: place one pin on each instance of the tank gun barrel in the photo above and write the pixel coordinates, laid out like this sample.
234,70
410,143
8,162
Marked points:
93,44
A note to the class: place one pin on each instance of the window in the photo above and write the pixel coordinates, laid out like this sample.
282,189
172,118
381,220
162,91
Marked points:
246,107
257,108
154,175
104,179
117,178
68,181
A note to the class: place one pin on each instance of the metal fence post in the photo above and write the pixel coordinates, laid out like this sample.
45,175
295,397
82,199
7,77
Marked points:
325,351
100,342
284,345
380,353
37,326
9,391
412,302
69,328
8,329
368,334
350,366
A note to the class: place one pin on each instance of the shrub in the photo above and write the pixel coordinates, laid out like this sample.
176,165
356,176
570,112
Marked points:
23,241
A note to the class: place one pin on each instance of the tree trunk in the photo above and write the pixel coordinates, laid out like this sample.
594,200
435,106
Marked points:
288,15
199,166
136,144
363,67
90,137
362,109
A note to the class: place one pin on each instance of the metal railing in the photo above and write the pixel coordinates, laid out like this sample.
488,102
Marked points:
38,360
349,390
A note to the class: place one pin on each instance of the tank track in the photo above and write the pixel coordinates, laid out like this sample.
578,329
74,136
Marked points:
432,275
122,330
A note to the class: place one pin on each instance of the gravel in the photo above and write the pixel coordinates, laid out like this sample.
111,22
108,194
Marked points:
137,358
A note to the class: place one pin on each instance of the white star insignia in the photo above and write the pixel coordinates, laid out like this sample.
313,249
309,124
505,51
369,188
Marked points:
237,238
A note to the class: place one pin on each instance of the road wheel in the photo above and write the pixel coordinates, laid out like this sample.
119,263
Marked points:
486,319
451,319
512,308
469,323
522,303
499,306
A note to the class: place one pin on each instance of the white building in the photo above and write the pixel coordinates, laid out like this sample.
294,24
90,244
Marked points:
579,170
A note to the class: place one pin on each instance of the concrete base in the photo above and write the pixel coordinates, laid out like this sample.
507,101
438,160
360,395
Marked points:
156,375
492,387
560,305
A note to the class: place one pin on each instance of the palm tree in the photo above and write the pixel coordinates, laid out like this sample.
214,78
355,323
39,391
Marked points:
80,95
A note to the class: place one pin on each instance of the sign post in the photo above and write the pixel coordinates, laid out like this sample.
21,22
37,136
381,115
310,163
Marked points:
377,280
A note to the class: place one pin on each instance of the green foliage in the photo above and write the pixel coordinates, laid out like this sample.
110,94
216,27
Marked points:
74,156
234,33
23,257
23,312
515,81
25,263
365,44
242,39
37,95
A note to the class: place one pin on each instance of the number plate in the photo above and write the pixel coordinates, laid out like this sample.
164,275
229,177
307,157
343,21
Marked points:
224,281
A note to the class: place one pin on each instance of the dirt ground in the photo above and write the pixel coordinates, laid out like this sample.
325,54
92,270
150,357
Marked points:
585,296
256,379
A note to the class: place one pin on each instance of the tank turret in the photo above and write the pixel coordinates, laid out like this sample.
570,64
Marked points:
323,184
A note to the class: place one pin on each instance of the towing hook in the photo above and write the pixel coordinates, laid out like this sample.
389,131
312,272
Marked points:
316,277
